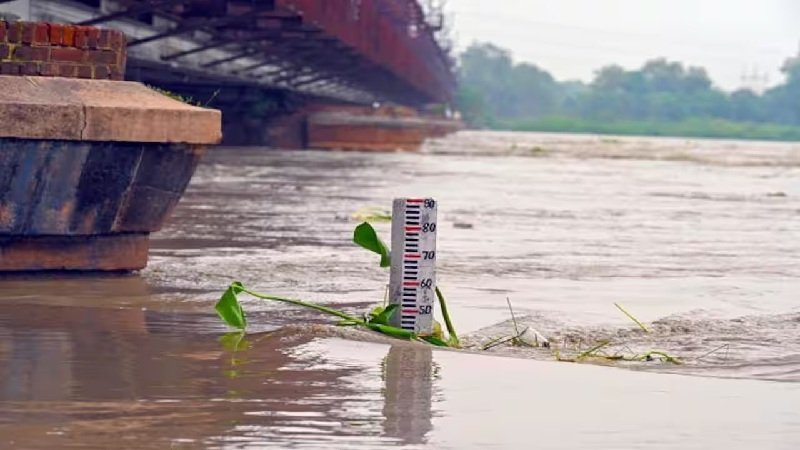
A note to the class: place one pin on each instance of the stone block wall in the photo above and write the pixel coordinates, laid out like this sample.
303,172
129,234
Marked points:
88,167
60,50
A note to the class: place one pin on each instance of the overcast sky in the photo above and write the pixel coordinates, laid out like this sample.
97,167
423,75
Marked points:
572,38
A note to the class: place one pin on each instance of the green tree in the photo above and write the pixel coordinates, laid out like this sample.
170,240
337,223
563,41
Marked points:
746,106
508,90
495,91
783,101
472,106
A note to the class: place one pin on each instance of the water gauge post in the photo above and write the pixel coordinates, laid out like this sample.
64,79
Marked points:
412,282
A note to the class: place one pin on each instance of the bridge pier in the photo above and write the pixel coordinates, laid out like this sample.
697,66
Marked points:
331,126
89,166
281,119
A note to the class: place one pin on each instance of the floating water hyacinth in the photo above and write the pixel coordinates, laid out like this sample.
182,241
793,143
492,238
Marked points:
230,310
365,236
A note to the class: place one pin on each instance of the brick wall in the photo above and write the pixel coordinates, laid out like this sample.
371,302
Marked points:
74,51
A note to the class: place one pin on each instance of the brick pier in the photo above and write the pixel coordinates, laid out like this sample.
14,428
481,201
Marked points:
48,49
89,166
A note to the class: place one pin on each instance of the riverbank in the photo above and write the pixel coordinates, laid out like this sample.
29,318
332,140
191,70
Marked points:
698,128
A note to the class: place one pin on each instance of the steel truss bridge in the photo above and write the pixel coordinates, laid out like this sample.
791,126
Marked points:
358,51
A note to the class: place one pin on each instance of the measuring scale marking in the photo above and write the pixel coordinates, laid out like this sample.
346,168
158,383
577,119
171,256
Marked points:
413,276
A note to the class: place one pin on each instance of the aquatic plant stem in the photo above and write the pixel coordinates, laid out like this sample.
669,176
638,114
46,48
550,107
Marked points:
446,315
594,349
494,342
630,316
668,358
503,339
725,346
513,319
379,327
320,308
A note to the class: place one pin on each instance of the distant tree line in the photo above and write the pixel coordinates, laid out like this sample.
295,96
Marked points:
662,97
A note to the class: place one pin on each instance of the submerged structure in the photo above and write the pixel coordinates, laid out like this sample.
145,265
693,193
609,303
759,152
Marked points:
89,166
376,129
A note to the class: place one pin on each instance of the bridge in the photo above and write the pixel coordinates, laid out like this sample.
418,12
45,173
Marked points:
91,164
264,59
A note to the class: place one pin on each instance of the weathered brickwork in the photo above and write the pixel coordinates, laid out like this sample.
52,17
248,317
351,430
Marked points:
74,51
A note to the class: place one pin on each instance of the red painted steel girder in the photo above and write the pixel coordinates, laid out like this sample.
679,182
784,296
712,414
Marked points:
382,47
391,34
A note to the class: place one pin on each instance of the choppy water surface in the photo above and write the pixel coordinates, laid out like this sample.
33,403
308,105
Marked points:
699,239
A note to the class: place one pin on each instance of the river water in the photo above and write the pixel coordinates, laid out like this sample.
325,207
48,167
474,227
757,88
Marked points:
697,239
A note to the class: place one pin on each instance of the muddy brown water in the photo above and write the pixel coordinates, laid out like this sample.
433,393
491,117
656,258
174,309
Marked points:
699,239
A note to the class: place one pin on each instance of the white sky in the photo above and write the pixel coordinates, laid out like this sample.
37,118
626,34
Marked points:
572,38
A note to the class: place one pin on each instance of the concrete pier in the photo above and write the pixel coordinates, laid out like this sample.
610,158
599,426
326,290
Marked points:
88,167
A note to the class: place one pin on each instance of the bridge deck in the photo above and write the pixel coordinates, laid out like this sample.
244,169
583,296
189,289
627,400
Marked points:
353,50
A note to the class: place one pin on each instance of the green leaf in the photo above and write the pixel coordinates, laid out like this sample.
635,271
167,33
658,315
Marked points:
383,315
229,309
434,341
392,331
365,236
237,287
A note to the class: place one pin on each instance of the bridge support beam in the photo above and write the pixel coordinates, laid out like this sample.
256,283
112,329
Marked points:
88,167
329,126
